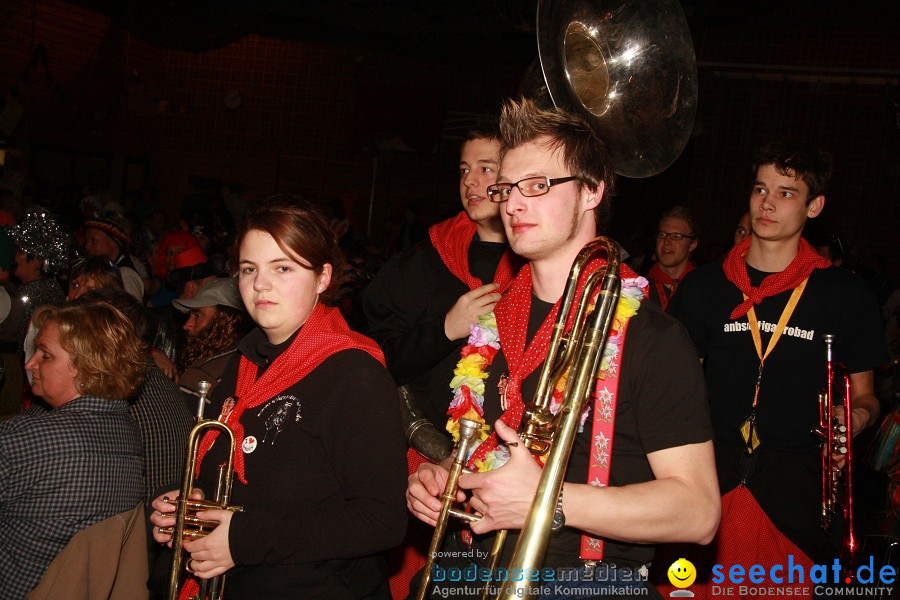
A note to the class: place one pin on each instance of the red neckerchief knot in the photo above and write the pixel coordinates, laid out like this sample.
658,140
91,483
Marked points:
735,267
661,279
512,323
325,333
452,238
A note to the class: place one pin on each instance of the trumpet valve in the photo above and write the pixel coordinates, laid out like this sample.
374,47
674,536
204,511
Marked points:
195,527
537,434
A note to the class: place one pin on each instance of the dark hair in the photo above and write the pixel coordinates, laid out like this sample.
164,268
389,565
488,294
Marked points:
483,131
104,346
800,159
584,154
226,329
101,269
300,230
682,213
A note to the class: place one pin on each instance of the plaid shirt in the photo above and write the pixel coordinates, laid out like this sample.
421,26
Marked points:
61,472
162,415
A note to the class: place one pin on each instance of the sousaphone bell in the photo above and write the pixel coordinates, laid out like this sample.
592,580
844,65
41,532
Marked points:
629,69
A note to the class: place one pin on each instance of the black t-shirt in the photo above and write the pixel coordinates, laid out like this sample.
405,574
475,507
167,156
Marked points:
406,305
484,258
835,301
661,404
784,473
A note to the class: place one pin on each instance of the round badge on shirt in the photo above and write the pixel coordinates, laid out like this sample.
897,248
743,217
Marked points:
249,444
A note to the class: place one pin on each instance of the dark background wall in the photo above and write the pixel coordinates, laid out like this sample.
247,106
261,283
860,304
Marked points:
374,120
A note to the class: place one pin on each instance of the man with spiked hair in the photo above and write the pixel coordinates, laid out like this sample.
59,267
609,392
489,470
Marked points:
641,470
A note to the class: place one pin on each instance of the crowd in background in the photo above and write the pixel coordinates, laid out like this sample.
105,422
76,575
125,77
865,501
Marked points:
171,270
176,249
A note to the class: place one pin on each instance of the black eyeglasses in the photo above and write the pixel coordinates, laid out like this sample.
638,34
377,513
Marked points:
676,237
529,187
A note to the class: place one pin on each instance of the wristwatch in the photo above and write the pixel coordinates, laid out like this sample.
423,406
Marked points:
559,518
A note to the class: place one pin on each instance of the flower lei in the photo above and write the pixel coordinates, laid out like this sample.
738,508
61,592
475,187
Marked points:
470,372
484,341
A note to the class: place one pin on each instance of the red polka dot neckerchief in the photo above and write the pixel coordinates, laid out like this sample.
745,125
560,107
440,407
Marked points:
325,333
735,267
512,322
665,284
452,238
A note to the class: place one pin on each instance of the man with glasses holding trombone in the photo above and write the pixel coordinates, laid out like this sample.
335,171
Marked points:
657,482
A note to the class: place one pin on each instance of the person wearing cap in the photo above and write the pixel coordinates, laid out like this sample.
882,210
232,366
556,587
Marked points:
216,321
107,238
177,252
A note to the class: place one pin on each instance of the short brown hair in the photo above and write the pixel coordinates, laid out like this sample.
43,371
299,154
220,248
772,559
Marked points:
584,154
299,228
104,346
683,214
483,131
799,159
101,269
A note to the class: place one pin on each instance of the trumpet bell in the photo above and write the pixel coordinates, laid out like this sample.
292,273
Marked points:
629,68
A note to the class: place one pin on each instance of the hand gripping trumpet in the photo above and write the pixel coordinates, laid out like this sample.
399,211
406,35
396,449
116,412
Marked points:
837,439
187,525
467,431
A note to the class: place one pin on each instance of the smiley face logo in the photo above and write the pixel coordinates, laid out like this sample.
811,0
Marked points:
682,573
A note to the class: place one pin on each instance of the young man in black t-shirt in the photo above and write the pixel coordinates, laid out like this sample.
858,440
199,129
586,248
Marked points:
757,321
421,304
659,483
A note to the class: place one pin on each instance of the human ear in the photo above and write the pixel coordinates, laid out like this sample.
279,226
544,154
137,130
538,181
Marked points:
324,278
815,206
593,198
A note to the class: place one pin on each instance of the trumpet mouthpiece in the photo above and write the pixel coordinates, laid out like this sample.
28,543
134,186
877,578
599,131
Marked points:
468,428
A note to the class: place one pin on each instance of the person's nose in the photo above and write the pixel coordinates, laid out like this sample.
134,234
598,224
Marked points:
471,179
516,203
261,282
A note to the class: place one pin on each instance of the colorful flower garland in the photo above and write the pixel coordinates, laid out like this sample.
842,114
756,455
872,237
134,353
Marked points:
482,346
470,373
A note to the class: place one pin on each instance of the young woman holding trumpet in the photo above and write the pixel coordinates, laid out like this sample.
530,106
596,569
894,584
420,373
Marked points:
319,452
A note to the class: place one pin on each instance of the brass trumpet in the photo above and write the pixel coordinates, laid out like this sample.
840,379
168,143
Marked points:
837,439
467,431
187,524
